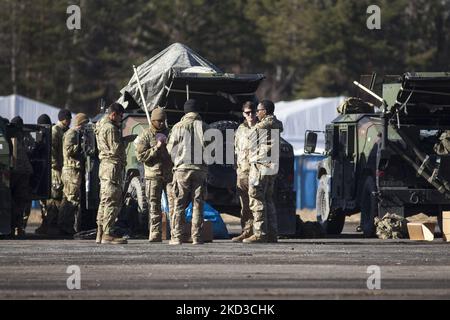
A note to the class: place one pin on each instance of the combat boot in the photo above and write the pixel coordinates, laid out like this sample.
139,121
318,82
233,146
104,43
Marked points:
255,239
175,242
241,237
271,238
19,233
108,239
197,241
155,237
98,240
42,229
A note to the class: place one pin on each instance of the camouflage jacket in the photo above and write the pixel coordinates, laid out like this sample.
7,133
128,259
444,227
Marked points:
242,148
20,161
265,144
443,147
110,145
72,149
58,131
157,162
184,136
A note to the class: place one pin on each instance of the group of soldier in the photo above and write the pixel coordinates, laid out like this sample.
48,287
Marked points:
169,167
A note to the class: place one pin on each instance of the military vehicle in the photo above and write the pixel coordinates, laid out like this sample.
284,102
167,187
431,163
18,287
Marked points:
39,153
388,156
5,194
168,80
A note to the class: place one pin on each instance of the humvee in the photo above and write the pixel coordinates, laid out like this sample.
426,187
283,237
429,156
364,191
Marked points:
381,158
222,114
168,80
39,153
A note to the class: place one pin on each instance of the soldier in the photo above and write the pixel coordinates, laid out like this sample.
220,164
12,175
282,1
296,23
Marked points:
263,171
20,179
71,176
186,145
151,150
112,157
242,150
43,119
49,225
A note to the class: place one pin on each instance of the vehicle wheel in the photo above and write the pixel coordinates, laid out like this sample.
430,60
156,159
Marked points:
331,222
136,190
369,208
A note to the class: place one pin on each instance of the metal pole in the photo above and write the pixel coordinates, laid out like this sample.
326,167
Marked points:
187,91
142,95
373,94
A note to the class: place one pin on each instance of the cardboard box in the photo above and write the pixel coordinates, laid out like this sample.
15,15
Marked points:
207,231
446,225
421,231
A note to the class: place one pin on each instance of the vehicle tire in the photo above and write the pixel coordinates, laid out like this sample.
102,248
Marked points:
136,190
331,222
369,208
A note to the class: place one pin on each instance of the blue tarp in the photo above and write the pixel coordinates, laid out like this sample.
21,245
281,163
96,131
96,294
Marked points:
209,214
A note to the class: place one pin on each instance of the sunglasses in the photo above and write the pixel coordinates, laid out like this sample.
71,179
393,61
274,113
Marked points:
248,112
258,110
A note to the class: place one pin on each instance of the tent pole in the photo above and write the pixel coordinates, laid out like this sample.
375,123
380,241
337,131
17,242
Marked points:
187,91
142,95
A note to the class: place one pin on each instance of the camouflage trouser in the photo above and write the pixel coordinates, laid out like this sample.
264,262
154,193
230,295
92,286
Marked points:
188,185
52,206
20,196
261,203
70,205
153,192
111,177
246,213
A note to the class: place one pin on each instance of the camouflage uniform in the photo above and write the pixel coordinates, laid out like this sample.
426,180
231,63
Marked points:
52,205
20,182
443,147
189,177
71,178
158,173
242,149
263,172
112,165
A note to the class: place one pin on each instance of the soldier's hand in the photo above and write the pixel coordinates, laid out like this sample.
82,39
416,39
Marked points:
159,144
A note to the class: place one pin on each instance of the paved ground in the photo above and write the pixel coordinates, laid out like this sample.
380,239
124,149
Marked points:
292,269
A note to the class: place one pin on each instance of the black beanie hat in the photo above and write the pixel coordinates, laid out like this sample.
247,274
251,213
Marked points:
64,114
17,120
44,119
191,105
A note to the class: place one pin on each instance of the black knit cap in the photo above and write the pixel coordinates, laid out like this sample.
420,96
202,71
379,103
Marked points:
17,120
191,105
44,119
64,114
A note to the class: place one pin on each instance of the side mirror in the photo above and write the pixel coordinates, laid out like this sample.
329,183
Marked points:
310,142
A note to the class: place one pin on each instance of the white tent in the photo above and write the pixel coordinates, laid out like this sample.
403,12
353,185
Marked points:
301,115
29,110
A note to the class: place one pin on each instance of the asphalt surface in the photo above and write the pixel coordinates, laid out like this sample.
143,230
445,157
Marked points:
332,268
